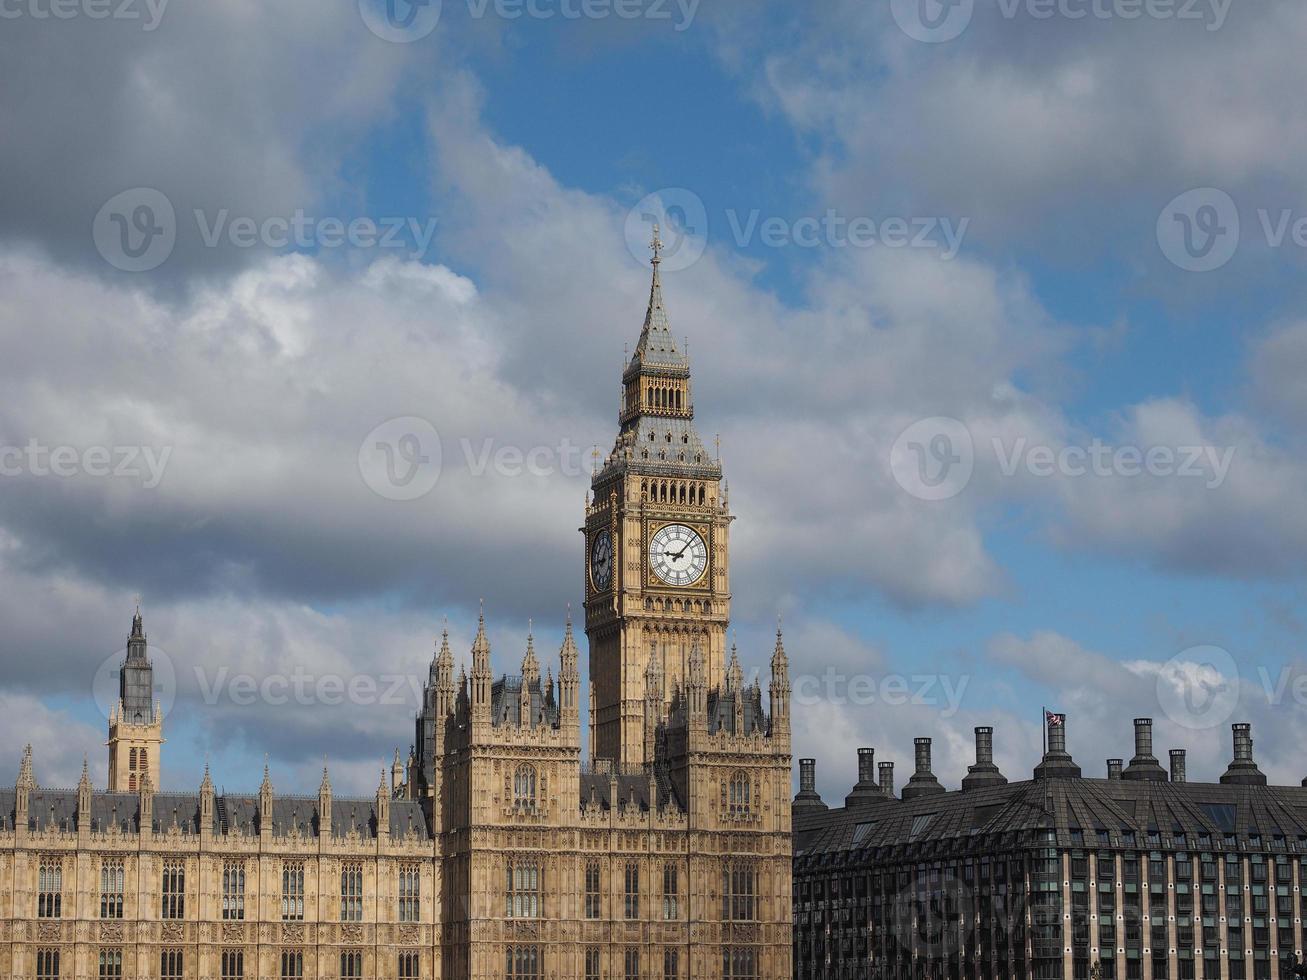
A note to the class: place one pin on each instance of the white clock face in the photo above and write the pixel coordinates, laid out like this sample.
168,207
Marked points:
678,555
601,561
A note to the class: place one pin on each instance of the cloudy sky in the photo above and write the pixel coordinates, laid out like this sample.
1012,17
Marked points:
312,314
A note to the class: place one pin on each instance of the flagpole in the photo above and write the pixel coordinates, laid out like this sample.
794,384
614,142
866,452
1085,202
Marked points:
1043,726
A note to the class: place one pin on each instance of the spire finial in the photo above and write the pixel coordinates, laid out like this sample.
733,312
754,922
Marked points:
656,246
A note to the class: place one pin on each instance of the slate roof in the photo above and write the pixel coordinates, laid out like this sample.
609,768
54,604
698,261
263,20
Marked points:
1132,815
237,815
721,711
505,696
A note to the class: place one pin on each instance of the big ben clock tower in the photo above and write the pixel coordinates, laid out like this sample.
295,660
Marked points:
657,585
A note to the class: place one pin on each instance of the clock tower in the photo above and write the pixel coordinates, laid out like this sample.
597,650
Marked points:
657,585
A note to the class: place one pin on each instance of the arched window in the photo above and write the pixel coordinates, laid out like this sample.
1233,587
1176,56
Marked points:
522,895
131,783
739,884
131,763
524,788
740,799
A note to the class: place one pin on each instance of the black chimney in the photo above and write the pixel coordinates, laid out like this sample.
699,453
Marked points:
1177,766
923,781
887,780
1057,762
984,772
1144,766
867,789
1243,770
1114,768
808,798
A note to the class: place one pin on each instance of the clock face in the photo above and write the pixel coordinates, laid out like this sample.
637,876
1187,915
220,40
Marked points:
678,555
601,561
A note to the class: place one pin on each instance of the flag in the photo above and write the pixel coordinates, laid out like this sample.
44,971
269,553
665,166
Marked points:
1054,720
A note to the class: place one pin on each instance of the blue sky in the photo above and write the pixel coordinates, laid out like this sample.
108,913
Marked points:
1055,147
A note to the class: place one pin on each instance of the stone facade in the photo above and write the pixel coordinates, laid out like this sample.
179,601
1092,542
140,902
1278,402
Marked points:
495,850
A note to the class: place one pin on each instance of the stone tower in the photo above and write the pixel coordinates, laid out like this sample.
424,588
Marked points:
657,559
135,723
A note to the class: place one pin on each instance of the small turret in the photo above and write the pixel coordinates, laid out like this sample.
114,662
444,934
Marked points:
780,689
383,808
265,803
569,678
481,678
324,803
206,804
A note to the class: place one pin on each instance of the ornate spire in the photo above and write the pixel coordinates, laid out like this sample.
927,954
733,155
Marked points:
530,665
657,346
206,784
26,777
734,674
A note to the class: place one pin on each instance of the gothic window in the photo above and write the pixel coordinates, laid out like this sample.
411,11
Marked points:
233,891
523,963
524,788
131,761
739,963
592,890
292,891
111,964
592,960
409,965
131,783
50,887
740,800
173,901
292,964
170,965
410,893
522,895
233,964
351,893
632,904
631,963
738,887
351,965
671,898
47,964
111,888
671,964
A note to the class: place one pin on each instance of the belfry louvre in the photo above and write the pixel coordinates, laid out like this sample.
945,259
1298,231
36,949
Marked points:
1142,875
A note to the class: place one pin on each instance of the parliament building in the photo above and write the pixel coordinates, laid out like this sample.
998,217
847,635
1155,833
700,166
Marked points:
496,851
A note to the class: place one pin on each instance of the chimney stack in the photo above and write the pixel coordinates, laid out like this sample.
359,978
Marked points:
1114,768
923,781
1057,762
984,772
1144,766
887,780
1177,766
866,790
1243,770
808,799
